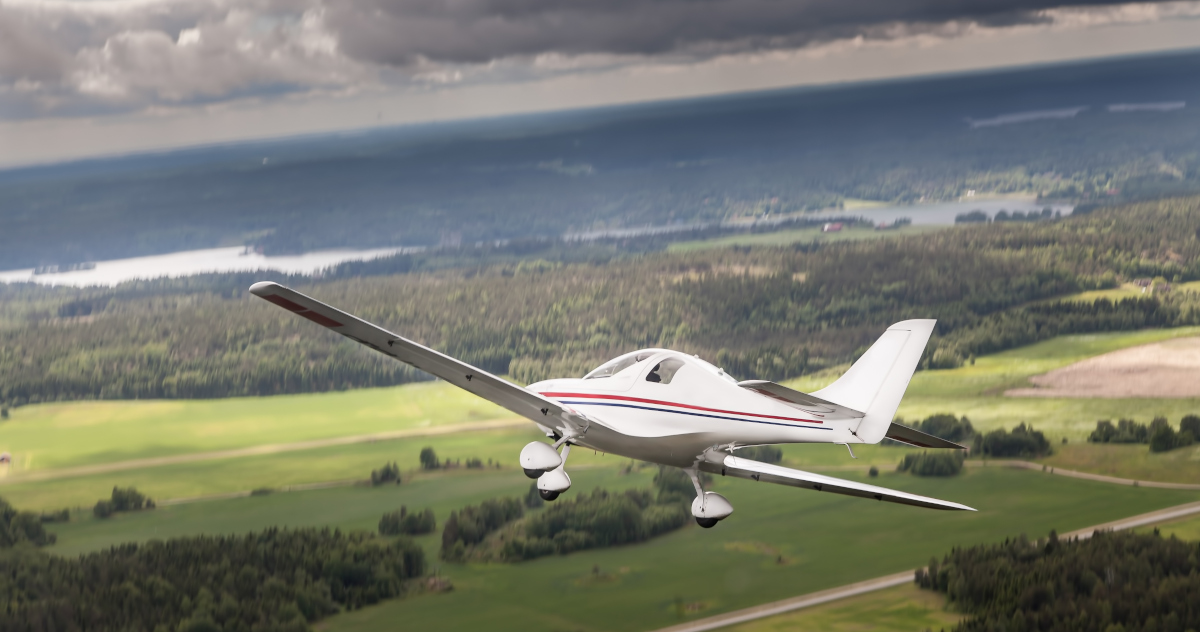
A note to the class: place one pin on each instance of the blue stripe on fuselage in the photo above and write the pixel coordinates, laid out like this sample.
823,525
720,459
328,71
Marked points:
680,412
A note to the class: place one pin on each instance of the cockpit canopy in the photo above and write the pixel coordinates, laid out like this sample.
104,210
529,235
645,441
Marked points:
666,364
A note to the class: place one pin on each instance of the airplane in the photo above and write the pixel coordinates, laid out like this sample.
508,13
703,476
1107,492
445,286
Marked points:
675,409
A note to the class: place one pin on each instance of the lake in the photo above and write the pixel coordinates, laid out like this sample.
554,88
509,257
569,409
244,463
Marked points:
179,264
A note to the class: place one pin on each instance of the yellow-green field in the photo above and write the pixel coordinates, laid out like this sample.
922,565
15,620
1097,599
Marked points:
82,433
900,609
1186,529
978,391
780,543
1126,290
53,436
787,237
1134,461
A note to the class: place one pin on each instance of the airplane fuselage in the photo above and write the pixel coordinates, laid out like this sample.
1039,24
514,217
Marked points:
642,412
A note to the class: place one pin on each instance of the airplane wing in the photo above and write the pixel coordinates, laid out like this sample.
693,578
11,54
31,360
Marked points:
519,400
801,401
904,434
764,472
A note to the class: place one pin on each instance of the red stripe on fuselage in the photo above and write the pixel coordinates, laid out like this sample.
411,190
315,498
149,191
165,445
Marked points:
626,398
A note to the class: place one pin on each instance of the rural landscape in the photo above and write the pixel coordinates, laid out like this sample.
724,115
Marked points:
178,455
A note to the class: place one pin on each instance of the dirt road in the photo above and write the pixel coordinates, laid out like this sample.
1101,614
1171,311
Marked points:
887,581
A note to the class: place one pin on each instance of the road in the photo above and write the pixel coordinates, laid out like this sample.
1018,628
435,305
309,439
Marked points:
888,581
133,464
1027,465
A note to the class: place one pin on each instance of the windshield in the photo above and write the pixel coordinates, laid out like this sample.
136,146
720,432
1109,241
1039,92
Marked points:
613,367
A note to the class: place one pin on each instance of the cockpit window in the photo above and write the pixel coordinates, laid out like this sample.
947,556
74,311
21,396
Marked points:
664,371
613,367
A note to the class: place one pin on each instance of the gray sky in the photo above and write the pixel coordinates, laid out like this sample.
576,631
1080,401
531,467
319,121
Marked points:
92,77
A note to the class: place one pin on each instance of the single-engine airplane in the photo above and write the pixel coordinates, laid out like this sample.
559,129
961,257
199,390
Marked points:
675,409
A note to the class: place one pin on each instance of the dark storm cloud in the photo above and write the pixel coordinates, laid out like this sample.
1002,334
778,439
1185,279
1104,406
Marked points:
397,32
71,57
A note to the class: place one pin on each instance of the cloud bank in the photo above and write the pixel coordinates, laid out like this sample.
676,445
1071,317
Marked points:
64,58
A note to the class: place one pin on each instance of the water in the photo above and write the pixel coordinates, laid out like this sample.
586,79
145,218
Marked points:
236,259
943,214
179,264
940,214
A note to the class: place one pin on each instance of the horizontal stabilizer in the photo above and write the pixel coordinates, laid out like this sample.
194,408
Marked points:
764,472
904,434
801,401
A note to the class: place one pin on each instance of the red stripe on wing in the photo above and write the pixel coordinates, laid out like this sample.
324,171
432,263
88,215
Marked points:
301,310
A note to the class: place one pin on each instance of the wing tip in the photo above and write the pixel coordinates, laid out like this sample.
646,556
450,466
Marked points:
264,288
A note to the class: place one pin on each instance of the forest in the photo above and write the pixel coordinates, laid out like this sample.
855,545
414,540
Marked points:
1113,582
273,580
661,164
765,312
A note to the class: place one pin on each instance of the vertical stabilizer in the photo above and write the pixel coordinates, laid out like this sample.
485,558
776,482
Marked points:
877,381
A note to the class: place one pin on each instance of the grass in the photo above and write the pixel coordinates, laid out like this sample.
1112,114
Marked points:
358,507
824,540
899,609
60,435
978,391
787,237
82,433
354,462
1134,461
1185,529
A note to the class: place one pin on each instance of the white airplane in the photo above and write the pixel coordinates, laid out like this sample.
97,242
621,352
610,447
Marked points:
675,409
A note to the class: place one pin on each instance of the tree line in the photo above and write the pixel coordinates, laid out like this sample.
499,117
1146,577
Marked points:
1159,434
762,312
598,519
273,580
1112,582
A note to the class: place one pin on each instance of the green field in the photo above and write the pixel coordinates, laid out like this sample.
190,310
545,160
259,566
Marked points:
1185,529
788,237
1134,461
780,543
63,435
978,391
81,433
900,609
824,541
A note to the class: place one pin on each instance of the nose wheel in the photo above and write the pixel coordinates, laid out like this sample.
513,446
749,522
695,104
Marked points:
706,523
548,495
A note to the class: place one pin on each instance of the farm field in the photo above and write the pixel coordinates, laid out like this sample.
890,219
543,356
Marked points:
977,391
1185,529
354,462
824,541
788,237
1134,461
353,507
81,433
899,609
87,433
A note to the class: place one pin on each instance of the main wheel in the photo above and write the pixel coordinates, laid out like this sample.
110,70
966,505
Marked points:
706,523
548,495
534,473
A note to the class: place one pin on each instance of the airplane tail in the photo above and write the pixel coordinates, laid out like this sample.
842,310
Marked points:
877,381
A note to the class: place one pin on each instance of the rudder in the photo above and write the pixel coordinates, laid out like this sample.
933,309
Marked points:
875,384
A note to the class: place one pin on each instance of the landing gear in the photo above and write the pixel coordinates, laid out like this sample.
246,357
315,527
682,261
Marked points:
534,474
709,508
556,481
